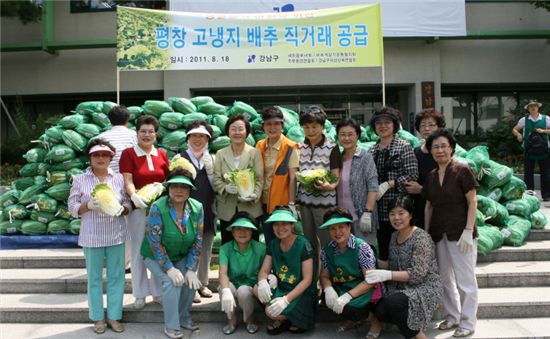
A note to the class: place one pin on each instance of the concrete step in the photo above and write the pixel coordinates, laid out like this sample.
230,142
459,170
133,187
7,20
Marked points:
543,234
73,280
493,328
494,303
530,251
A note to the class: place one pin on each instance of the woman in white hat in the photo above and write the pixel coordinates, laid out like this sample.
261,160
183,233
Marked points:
171,250
240,261
292,304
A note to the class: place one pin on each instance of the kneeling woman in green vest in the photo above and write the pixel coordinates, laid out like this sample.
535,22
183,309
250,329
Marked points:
240,262
292,303
171,249
344,260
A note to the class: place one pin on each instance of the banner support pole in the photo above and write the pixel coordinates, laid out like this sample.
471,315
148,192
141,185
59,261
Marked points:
117,86
383,87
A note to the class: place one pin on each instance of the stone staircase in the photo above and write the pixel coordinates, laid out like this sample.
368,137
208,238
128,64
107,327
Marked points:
43,294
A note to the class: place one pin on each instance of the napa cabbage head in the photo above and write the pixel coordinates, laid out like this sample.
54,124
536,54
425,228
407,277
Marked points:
244,179
108,202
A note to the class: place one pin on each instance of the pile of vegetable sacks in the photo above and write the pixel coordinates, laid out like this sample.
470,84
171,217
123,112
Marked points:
37,201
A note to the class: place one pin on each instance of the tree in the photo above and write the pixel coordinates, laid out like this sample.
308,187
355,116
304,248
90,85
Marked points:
26,11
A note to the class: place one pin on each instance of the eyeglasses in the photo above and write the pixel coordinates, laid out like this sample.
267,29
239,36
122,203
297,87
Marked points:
382,122
237,130
145,132
346,135
428,125
99,155
440,147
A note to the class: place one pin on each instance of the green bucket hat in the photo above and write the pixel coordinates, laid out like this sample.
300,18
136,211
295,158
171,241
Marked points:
282,216
335,219
242,222
180,179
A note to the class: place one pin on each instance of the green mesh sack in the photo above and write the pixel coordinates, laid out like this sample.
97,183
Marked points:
487,206
479,154
502,216
331,134
102,120
35,155
22,183
59,154
220,143
219,121
161,132
371,134
367,145
59,227
518,230
250,140
519,207
55,134
459,151
532,201
490,238
201,100
494,194
89,107
240,107
74,140
63,212
33,169
67,165
72,172
471,163
15,212
107,106
46,203
497,175
211,108
88,130
514,189
171,120
259,136
74,226
174,140
538,220
30,192
408,137
216,131
480,218
44,217
291,118
71,121
40,179
257,125
10,197
156,107
57,177
10,228
31,227
59,192
135,112
182,105
189,118
296,134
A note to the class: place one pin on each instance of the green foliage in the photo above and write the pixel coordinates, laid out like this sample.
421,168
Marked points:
26,11
541,4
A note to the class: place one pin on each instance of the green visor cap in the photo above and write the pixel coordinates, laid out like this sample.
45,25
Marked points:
180,179
335,220
282,216
242,222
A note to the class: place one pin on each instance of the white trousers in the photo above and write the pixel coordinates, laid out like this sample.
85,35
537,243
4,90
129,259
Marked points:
205,258
245,300
457,271
127,248
142,285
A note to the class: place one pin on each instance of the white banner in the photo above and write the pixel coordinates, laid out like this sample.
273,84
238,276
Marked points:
400,18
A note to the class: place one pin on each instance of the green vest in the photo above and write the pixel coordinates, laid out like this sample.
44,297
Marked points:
530,126
247,275
345,273
175,243
287,266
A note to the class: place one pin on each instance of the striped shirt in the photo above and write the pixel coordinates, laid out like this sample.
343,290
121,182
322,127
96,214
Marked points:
98,229
366,257
121,138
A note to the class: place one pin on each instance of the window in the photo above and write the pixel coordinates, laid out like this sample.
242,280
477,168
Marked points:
86,6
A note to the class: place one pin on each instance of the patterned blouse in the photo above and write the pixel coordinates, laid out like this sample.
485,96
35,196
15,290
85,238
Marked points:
424,289
366,256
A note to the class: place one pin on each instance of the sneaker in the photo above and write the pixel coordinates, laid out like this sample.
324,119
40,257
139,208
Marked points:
173,334
139,303
447,325
462,332
192,326
205,292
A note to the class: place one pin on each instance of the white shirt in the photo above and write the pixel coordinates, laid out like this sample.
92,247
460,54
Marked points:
121,138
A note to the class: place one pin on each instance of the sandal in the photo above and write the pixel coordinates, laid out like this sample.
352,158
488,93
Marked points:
373,334
99,327
278,327
296,330
348,325
205,292
115,325
447,325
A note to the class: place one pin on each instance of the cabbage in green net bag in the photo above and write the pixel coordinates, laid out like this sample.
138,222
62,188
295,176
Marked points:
189,118
60,153
22,183
460,151
501,218
68,164
89,107
10,228
518,230
538,220
296,134
88,130
182,105
71,121
495,174
211,108
171,120
63,212
35,155
75,226
470,163
480,218
487,206
57,177
55,134
135,112
10,197
519,207
108,106
15,212
494,194
240,107
201,100
44,217
156,107
408,137
33,169
46,204
174,140
479,154
219,120
102,120
514,189
30,192
490,238
59,227
59,192
219,143
532,201
31,227
216,131
250,140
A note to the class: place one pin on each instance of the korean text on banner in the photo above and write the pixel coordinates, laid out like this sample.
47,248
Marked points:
328,38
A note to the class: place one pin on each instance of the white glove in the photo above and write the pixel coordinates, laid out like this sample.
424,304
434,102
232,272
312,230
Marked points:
228,302
365,223
272,281
293,210
138,201
382,189
341,302
376,276
176,276
330,296
251,197
208,163
93,204
277,307
231,189
466,241
192,280
264,291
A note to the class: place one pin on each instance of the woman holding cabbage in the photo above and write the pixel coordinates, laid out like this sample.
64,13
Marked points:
141,165
99,199
238,176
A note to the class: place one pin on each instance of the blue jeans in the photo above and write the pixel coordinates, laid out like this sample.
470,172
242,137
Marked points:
176,301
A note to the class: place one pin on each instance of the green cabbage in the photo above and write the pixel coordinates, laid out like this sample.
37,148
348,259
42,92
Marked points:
182,105
31,227
9,228
245,179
